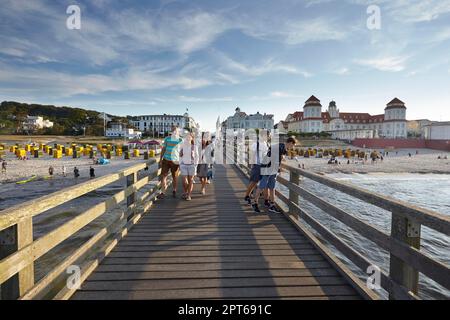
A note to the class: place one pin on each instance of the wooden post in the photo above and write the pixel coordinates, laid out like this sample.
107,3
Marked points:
294,178
131,199
407,231
12,240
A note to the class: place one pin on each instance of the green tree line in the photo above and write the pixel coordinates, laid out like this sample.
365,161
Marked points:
66,120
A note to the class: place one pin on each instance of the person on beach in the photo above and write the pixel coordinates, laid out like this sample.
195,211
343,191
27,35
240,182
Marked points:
50,171
188,165
64,171
169,161
4,164
259,149
203,168
92,172
269,173
76,172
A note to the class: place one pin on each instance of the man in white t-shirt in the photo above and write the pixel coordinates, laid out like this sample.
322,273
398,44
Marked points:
258,152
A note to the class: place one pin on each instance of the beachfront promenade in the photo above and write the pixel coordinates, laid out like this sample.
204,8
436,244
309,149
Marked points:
214,246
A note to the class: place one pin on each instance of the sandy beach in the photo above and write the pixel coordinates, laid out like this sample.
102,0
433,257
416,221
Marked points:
19,170
398,161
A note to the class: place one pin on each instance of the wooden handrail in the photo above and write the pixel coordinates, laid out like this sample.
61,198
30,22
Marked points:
429,218
403,244
18,257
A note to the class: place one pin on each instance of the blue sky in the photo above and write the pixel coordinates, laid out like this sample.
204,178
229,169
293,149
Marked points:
150,57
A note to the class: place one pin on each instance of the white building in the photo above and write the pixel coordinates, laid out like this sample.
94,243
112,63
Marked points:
391,124
162,124
437,131
240,120
119,130
33,123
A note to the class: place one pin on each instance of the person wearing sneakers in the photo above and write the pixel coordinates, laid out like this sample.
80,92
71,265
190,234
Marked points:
269,173
188,165
259,150
203,166
170,155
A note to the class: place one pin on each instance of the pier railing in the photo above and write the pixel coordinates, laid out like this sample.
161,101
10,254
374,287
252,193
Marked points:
406,260
19,250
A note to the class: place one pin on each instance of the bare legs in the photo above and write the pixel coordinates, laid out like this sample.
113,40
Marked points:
204,182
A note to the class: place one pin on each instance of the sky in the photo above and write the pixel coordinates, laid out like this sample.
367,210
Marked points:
211,56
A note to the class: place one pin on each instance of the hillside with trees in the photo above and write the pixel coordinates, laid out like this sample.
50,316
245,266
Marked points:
67,120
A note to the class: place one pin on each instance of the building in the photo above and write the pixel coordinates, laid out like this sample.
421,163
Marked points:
391,124
241,120
162,124
33,123
282,127
415,128
437,131
119,130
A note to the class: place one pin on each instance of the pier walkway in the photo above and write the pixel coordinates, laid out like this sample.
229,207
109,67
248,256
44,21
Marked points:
214,247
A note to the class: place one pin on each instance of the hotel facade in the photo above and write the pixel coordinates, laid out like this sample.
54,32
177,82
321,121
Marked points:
349,126
162,124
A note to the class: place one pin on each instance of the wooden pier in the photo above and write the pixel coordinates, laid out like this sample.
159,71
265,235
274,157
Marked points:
213,247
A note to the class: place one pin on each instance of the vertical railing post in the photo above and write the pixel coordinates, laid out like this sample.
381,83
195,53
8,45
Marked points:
294,178
131,199
407,231
13,239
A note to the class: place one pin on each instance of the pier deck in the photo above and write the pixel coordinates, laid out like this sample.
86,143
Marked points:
215,247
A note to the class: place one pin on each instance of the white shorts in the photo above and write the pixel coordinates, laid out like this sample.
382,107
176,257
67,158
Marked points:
188,169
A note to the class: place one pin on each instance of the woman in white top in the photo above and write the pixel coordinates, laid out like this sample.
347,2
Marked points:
188,165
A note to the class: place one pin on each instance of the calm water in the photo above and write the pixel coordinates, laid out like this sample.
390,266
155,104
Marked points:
429,191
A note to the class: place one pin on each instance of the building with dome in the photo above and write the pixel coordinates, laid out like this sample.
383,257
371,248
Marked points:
349,126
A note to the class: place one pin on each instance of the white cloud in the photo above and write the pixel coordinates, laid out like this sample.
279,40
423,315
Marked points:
342,71
198,99
284,95
392,64
35,81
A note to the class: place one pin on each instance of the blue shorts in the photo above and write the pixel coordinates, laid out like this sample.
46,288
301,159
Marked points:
255,174
268,182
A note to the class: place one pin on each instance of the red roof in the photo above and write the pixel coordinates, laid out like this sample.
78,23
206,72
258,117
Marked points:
395,103
312,101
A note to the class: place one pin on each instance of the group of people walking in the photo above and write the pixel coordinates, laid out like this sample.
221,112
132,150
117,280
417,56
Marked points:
182,155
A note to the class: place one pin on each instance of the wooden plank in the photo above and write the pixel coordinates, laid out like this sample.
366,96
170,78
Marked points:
212,253
217,247
400,271
214,266
218,293
113,276
226,259
166,284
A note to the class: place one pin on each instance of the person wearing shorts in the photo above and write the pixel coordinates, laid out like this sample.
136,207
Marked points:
169,161
259,149
268,182
188,166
